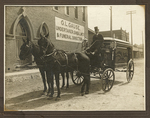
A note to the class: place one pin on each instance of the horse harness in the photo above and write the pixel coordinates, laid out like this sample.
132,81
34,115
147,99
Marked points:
53,55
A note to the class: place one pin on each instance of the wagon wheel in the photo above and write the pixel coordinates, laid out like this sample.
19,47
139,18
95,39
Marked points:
108,79
130,70
77,80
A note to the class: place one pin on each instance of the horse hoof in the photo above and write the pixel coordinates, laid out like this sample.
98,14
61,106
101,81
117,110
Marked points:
57,99
82,94
48,94
44,93
62,86
87,92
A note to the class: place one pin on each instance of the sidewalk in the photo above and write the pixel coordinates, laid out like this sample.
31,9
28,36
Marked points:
22,75
22,72
34,73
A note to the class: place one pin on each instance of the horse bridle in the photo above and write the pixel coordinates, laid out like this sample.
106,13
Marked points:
44,49
47,55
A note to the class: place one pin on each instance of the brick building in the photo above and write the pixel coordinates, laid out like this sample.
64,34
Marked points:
138,51
119,34
67,26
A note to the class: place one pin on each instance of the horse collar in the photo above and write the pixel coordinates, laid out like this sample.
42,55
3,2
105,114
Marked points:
47,55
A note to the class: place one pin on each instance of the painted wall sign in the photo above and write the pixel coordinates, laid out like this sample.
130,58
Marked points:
68,31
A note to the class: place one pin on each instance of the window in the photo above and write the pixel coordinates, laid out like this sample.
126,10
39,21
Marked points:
22,32
76,12
83,13
56,8
44,31
67,10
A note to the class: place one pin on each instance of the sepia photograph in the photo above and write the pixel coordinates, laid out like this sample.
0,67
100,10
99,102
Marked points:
74,58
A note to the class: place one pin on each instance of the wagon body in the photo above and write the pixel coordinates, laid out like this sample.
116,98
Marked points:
117,53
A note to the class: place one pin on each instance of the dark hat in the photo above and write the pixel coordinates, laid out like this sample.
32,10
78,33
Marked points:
96,28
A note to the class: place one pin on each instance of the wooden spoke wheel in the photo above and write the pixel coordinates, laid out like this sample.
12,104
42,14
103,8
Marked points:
108,79
77,80
130,70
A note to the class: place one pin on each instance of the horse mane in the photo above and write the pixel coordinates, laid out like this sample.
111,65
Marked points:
50,43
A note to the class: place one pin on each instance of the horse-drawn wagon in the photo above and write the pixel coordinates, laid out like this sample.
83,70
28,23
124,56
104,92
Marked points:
117,53
53,61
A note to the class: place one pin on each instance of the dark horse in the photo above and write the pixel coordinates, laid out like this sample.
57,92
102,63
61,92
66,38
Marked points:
73,61
29,48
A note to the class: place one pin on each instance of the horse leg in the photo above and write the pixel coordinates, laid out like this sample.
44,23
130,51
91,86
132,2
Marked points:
87,84
57,84
83,86
67,75
44,80
63,80
52,85
48,74
71,73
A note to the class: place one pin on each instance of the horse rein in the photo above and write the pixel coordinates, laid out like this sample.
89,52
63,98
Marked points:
56,60
51,54
92,45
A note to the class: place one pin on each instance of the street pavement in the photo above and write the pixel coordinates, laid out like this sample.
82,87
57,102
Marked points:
25,94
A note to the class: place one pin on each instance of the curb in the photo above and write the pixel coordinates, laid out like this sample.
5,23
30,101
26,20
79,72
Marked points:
23,75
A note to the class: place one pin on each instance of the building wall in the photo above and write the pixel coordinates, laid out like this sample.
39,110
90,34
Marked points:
138,52
119,34
90,36
35,16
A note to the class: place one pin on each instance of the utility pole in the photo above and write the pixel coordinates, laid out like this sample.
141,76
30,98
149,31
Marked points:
131,12
111,33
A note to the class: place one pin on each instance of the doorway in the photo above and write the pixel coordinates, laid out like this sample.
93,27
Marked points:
22,32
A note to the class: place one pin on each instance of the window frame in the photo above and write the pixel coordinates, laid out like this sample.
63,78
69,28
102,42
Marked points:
83,14
76,12
67,11
55,8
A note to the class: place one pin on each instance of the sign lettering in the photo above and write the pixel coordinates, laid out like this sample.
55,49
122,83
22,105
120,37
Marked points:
68,31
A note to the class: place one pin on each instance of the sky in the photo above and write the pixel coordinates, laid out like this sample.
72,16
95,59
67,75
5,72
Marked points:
99,15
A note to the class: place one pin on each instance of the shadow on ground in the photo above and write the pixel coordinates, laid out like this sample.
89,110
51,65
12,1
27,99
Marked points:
34,99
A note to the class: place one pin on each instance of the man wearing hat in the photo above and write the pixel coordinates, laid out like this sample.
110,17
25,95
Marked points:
96,46
97,37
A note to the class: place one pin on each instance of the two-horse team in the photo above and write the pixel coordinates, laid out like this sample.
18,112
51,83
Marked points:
53,62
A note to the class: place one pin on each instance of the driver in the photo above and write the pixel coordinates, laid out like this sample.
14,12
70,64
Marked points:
98,39
95,48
